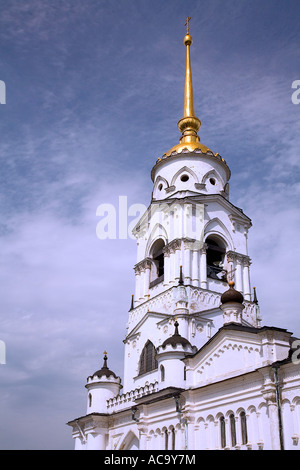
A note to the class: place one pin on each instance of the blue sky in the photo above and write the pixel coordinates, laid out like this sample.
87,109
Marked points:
94,91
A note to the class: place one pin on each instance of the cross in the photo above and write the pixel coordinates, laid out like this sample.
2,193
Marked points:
230,274
187,25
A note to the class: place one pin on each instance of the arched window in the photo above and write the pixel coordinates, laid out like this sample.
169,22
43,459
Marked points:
148,360
90,399
232,430
215,254
222,430
157,255
166,440
244,427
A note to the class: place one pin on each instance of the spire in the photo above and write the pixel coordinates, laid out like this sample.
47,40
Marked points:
189,124
176,339
105,361
104,371
255,301
176,324
255,296
132,303
180,282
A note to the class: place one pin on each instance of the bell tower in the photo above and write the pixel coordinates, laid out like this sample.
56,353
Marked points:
188,240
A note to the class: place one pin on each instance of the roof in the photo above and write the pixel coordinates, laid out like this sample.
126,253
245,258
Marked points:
237,327
232,295
163,394
104,371
176,339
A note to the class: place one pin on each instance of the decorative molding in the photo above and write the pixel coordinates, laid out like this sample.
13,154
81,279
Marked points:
143,265
239,224
233,256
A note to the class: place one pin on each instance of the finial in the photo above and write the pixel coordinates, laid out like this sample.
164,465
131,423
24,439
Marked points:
105,360
180,282
132,303
187,25
254,296
176,324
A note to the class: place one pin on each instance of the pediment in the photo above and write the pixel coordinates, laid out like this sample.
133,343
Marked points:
137,328
235,350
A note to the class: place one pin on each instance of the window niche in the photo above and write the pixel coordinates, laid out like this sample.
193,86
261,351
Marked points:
215,254
157,256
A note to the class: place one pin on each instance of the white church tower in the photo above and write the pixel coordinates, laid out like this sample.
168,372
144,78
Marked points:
200,372
191,226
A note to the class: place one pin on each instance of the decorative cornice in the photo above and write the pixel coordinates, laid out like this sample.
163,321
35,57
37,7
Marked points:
143,265
233,256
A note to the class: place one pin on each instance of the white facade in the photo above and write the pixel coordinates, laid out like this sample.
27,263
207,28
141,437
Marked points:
200,372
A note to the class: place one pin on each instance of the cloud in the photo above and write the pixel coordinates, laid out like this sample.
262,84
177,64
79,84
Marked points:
65,298
94,91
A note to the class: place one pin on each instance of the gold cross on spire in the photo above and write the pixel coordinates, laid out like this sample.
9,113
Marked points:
187,25
230,276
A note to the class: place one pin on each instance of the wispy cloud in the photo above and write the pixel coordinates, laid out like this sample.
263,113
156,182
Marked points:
94,91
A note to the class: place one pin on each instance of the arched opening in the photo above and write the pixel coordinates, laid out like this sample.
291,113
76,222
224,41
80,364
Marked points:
157,255
148,360
166,439
215,254
162,373
232,430
222,430
244,427
173,438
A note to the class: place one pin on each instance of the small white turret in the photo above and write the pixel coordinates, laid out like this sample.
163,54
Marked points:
169,359
101,386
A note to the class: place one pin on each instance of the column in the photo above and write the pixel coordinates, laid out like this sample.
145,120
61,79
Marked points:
246,278
195,268
200,433
142,437
203,267
187,260
177,259
260,428
271,424
137,285
79,444
238,274
141,289
96,441
147,267
228,433
167,265
190,432
181,433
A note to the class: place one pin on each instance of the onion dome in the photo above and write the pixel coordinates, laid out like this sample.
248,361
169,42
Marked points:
104,371
232,295
176,339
